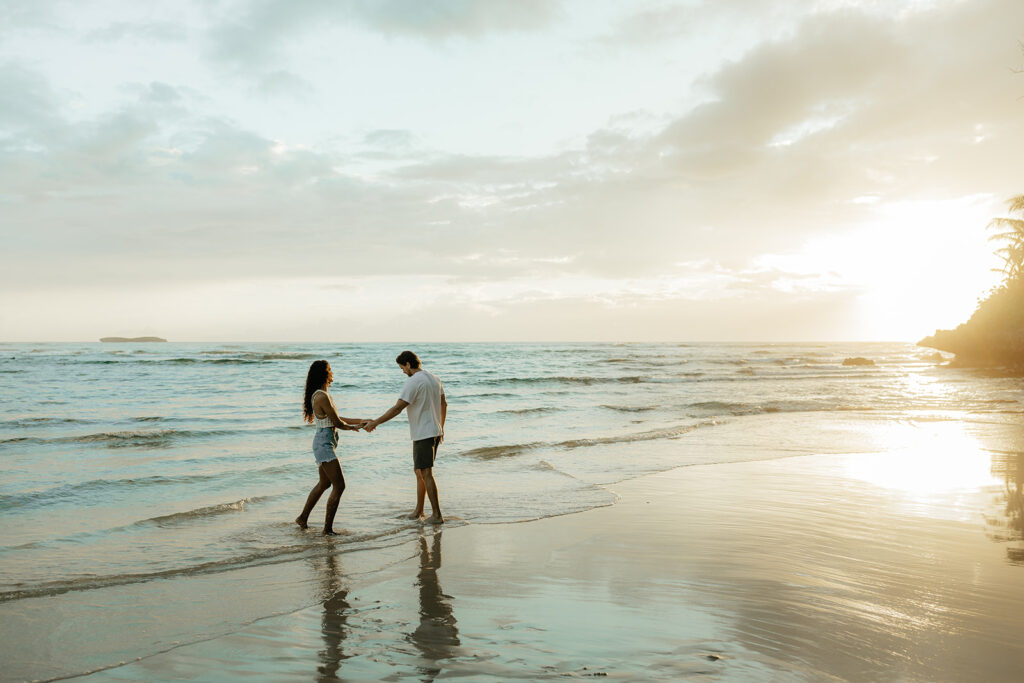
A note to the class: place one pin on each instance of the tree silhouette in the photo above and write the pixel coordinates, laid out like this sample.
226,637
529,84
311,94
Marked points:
994,334
1011,231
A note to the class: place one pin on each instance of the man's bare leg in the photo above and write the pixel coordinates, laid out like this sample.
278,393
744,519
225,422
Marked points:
314,495
421,493
427,476
332,470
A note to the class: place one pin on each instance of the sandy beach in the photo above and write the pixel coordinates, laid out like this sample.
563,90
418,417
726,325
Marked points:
887,565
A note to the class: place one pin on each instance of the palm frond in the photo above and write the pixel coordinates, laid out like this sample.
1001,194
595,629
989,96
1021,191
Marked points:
1014,224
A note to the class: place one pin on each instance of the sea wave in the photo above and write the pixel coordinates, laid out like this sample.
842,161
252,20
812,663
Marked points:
563,379
234,358
490,394
647,361
322,546
172,520
88,490
265,355
41,422
189,516
530,411
151,438
507,450
738,409
631,409
58,587
572,380
159,438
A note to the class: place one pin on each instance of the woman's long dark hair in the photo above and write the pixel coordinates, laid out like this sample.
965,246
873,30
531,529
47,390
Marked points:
314,380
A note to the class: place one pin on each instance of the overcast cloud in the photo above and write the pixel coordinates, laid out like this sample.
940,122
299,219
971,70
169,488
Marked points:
525,170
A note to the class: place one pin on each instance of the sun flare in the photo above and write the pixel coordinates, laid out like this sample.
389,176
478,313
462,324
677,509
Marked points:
928,458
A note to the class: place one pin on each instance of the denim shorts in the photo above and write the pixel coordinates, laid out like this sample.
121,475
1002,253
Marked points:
324,443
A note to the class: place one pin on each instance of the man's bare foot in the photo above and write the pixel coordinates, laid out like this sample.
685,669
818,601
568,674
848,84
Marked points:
301,522
434,519
331,532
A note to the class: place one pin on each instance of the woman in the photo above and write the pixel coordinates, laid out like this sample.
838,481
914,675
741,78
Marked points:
318,408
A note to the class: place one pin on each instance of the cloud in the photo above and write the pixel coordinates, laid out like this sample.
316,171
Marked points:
252,35
389,139
162,31
27,103
453,18
592,318
847,106
792,133
648,24
283,82
27,15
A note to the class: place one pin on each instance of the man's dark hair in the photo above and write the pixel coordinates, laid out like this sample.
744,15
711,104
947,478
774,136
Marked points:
408,357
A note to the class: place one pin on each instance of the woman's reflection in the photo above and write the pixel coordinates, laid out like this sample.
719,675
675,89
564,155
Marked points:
333,623
437,635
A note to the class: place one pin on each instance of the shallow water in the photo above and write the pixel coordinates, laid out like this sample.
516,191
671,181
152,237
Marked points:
135,474
125,462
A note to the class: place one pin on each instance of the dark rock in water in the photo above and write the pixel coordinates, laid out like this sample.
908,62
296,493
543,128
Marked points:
937,357
132,339
858,361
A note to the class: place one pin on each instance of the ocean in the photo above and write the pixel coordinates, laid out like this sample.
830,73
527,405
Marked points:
125,462
129,463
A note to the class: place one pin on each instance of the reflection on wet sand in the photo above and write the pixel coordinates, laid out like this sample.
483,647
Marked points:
437,635
1009,526
334,620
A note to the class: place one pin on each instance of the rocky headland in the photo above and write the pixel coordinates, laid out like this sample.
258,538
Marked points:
994,334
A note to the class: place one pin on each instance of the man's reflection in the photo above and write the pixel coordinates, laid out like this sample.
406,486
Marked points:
1014,470
1007,523
437,635
333,622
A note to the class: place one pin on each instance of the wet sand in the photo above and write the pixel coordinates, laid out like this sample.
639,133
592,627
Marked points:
897,565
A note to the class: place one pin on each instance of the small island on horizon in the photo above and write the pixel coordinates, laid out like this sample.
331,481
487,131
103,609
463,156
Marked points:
132,339
994,334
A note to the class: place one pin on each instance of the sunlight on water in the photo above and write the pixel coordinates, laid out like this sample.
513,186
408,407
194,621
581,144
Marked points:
925,459
182,466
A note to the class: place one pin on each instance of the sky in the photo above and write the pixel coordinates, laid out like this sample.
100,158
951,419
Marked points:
504,170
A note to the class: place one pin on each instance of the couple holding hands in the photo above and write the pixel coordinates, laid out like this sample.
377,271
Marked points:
422,394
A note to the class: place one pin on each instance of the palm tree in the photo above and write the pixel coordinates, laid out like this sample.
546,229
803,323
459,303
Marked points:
1011,232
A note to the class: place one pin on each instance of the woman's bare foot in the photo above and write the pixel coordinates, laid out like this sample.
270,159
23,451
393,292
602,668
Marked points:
415,515
331,532
434,519
301,522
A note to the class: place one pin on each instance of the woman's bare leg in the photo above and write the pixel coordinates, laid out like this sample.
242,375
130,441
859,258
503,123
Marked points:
303,519
332,470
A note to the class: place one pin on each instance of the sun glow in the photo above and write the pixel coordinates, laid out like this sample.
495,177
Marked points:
919,265
926,459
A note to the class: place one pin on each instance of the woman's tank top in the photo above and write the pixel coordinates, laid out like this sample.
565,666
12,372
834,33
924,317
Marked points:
323,422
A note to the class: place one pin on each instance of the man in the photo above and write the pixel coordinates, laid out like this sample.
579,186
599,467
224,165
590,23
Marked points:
428,408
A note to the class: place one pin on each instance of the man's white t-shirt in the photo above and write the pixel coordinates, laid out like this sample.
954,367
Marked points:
423,392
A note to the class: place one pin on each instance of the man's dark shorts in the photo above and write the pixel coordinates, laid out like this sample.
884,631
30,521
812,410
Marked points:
423,452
